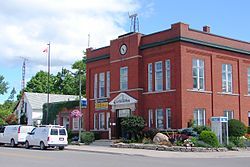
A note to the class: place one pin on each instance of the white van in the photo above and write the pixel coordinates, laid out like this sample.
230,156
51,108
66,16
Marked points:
47,136
14,134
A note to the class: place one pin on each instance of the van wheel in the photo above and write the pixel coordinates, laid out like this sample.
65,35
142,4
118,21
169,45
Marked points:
12,143
61,147
42,146
27,145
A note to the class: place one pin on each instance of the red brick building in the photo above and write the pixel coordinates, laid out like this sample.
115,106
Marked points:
169,77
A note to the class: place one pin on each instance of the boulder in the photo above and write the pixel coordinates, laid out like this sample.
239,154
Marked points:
159,137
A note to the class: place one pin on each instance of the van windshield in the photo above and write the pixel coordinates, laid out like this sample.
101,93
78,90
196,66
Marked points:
54,132
62,131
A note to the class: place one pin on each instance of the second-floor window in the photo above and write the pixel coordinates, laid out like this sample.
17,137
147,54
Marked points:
227,76
158,76
168,80
123,78
198,74
108,84
150,77
101,85
95,86
248,80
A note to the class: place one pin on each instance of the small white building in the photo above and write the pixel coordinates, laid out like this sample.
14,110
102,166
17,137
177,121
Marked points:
33,105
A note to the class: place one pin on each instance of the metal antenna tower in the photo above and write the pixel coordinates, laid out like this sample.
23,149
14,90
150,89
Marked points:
134,25
23,73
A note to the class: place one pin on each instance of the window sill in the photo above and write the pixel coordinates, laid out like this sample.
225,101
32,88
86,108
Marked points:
248,95
227,93
155,92
199,91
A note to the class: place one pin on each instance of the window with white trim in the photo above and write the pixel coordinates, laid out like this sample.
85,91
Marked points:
168,79
159,119
150,118
158,76
107,120
95,121
229,114
248,80
198,74
75,123
150,77
199,117
101,121
168,118
123,78
101,85
108,84
227,78
95,86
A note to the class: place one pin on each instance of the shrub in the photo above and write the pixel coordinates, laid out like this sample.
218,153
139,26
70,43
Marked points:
248,129
146,140
199,129
209,137
236,128
237,141
189,132
97,135
230,145
150,133
133,125
87,137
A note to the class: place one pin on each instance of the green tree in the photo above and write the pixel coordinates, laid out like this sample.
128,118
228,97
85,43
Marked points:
12,94
38,83
6,115
133,125
3,85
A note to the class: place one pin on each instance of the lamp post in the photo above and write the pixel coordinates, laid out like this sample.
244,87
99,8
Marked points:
80,99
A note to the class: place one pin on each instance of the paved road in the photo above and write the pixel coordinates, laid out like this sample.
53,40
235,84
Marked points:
20,157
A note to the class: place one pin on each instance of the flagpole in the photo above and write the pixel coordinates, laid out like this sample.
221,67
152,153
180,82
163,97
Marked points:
48,87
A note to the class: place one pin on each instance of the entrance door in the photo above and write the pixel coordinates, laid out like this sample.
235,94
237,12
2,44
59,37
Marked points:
122,113
248,118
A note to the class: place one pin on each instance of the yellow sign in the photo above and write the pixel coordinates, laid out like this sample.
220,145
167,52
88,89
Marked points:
101,104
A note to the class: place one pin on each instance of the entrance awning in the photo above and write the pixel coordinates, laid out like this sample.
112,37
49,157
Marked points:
123,101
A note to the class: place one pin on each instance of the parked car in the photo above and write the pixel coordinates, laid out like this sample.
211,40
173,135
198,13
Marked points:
14,134
47,136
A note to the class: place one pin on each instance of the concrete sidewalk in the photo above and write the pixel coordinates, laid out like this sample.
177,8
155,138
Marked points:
155,153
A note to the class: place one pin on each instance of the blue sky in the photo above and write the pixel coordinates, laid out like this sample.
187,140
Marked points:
27,26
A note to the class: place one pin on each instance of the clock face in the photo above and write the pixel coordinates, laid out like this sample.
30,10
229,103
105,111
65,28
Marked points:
123,49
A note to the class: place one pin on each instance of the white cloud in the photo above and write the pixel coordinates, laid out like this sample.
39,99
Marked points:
28,25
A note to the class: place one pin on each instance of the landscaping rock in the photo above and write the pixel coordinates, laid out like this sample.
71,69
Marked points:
159,137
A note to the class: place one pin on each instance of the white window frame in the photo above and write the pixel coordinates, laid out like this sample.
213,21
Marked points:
248,80
197,120
168,118
158,77
150,77
229,114
75,123
101,120
102,84
168,74
150,118
107,120
108,84
95,121
227,80
123,78
95,86
157,120
198,67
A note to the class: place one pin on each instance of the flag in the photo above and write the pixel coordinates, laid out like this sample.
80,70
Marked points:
45,50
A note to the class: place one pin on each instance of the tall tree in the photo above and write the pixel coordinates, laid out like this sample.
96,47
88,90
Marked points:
38,83
12,94
3,85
